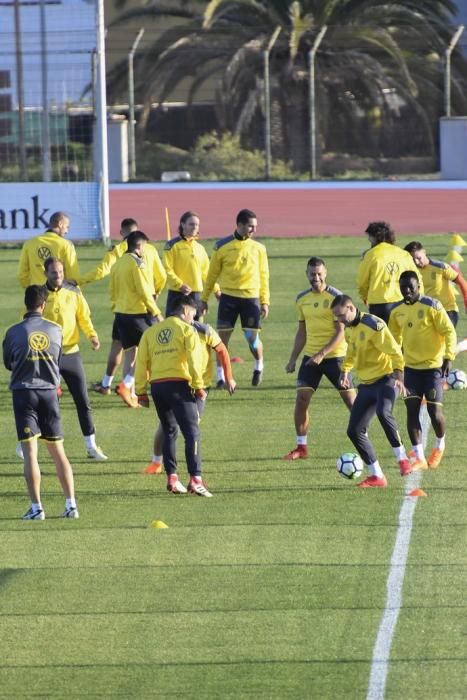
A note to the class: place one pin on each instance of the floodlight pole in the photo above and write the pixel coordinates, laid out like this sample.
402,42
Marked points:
20,93
101,148
312,99
46,165
131,105
267,102
447,70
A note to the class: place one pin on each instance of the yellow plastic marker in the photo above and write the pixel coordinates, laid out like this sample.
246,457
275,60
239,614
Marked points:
167,224
159,525
454,256
457,239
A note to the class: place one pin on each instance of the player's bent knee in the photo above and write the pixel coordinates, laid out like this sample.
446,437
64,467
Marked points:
252,338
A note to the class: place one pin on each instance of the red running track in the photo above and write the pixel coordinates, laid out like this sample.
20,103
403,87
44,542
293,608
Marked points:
295,210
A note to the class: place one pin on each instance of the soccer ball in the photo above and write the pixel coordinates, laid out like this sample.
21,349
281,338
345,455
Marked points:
349,465
457,379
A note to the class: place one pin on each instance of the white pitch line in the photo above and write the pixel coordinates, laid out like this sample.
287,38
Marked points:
395,582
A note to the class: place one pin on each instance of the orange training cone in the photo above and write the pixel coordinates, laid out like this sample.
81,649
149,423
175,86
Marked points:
417,492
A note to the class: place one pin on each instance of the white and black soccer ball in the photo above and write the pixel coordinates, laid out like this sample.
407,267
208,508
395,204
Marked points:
349,465
457,379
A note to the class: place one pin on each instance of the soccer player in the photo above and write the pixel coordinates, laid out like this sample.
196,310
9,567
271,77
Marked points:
67,306
380,268
421,325
240,265
170,358
210,340
132,298
322,338
31,351
377,359
50,244
152,261
186,263
437,277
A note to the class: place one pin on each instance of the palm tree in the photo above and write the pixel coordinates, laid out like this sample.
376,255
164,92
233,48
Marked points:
378,60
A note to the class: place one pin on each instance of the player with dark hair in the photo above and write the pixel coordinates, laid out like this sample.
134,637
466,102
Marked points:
132,298
67,306
153,261
322,338
380,269
377,359
169,358
210,341
52,243
240,265
421,325
437,277
186,263
31,351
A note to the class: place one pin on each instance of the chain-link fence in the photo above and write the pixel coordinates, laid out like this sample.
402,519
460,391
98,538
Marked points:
46,90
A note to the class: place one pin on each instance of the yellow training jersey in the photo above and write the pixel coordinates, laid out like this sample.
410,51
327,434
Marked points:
425,332
35,252
150,257
437,278
314,308
186,262
372,350
379,271
68,308
209,339
169,350
240,266
131,289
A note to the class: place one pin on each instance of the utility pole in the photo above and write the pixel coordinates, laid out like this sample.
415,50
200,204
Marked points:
312,99
447,70
23,168
131,105
267,102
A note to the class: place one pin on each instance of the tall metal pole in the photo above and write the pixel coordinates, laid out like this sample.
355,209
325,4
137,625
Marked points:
267,102
23,168
447,70
101,149
46,165
312,99
131,105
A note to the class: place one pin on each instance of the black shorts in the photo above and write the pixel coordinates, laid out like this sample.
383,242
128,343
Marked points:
382,310
309,376
115,331
454,316
131,327
173,299
230,308
37,413
426,383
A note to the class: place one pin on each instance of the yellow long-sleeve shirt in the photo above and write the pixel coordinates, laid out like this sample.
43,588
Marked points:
314,308
379,271
131,290
169,350
150,257
425,332
372,350
35,252
186,262
240,266
68,307
437,277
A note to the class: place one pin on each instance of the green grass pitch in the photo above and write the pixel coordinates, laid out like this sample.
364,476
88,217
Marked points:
275,587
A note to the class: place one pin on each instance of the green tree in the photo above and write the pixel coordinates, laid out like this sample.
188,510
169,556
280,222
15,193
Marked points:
380,65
